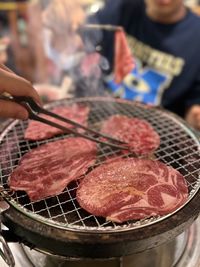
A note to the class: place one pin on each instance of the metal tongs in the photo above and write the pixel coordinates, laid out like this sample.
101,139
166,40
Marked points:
34,110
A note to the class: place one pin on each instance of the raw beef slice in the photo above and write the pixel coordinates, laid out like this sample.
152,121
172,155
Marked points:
48,169
39,131
139,134
131,189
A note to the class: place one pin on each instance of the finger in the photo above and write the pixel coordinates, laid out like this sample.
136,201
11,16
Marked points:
5,68
17,86
197,122
13,110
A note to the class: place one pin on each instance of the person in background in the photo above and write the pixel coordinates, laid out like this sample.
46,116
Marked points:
4,42
15,86
164,37
63,45
61,19
160,34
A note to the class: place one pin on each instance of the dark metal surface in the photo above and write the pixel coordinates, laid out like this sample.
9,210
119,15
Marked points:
183,251
60,226
98,245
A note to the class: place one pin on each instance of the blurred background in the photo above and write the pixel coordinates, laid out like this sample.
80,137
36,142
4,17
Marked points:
41,42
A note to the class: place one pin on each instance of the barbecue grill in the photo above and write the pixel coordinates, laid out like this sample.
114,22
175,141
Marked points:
59,226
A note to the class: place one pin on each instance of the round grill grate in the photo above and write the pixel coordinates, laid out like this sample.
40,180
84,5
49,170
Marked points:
179,148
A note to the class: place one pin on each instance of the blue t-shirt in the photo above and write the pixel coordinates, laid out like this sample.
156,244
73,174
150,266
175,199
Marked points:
167,56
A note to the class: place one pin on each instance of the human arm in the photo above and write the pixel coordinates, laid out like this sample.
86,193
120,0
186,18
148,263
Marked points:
17,86
193,116
62,18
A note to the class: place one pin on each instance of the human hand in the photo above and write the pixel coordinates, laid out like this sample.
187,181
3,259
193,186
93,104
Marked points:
4,42
193,116
63,14
16,86
62,18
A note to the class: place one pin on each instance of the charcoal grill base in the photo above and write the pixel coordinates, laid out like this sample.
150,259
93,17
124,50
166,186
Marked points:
80,244
184,251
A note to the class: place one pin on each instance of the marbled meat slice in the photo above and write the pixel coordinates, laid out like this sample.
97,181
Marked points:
132,189
47,170
39,131
139,134
124,62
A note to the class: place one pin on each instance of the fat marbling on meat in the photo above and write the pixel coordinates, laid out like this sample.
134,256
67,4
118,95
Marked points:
39,131
47,170
138,133
132,189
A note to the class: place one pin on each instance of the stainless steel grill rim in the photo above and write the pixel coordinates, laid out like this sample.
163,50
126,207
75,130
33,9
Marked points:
179,148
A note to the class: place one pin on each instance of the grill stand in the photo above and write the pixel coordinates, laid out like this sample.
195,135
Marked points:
184,251
5,252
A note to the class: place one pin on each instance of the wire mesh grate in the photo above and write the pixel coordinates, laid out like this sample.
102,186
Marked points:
179,148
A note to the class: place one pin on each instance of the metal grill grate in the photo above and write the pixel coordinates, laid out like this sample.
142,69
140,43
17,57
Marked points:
179,148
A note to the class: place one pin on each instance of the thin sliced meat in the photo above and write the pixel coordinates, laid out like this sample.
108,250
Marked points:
131,189
48,169
124,62
139,134
39,131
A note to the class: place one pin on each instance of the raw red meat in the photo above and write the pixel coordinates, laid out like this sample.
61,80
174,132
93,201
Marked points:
39,131
139,134
48,169
124,62
130,189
